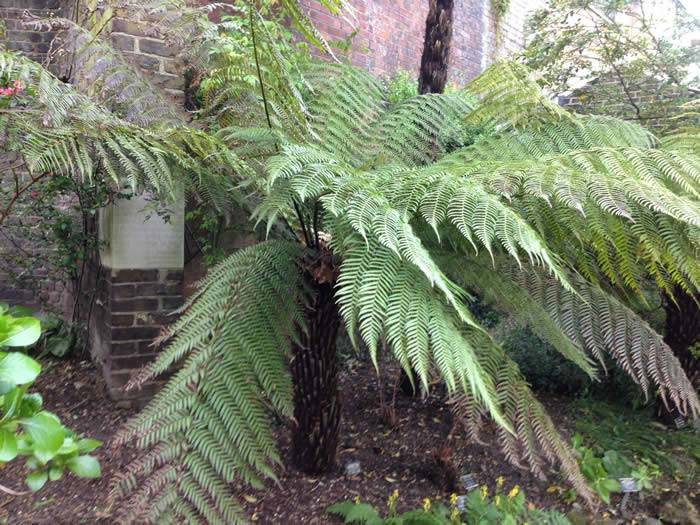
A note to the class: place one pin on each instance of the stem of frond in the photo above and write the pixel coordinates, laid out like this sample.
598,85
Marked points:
257,64
300,215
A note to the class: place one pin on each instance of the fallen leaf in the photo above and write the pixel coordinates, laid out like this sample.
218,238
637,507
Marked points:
250,499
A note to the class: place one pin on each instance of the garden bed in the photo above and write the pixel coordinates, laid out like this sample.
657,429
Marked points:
400,459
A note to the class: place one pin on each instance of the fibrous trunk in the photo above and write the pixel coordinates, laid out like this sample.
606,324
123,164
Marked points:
315,374
436,47
683,336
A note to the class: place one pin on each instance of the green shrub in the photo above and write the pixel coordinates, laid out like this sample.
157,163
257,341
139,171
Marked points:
25,429
601,472
543,367
636,434
58,338
402,86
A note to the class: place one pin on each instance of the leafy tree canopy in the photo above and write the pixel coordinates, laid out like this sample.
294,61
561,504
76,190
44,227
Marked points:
622,47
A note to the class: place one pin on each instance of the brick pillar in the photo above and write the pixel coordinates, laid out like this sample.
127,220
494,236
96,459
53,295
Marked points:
139,284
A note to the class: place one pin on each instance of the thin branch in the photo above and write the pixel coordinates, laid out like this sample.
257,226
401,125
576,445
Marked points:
618,73
6,212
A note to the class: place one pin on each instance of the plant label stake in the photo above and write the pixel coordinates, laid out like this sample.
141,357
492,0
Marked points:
468,482
627,486
680,422
461,503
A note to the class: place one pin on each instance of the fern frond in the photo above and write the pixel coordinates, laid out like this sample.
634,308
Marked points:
384,297
511,99
600,323
534,440
210,425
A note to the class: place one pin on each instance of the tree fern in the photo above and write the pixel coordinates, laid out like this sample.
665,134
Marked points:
419,227
57,129
558,218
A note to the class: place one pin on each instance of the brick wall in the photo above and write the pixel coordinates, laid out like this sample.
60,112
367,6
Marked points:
138,43
390,33
389,38
131,310
27,274
22,279
34,44
656,103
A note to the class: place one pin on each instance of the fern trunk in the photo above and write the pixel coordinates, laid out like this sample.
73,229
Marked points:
436,47
315,375
432,79
682,335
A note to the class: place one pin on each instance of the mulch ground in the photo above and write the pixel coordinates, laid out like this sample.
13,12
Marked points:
400,457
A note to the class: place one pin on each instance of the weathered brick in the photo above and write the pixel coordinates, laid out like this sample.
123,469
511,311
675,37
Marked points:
129,27
135,305
124,291
154,46
134,333
153,319
134,276
147,62
122,320
172,66
131,362
121,348
174,275
123,41
171,303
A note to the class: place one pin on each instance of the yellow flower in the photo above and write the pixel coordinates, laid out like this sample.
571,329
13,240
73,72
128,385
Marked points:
513,492
426,504
497,500
454,516
391,502
357,500
484,492
453,499
499,481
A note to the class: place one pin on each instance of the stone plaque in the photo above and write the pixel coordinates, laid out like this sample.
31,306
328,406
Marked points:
133,235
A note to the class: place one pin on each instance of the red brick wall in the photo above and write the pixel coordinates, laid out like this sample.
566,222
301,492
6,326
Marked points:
390,33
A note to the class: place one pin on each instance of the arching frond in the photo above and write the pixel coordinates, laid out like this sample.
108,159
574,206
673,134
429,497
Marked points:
511,99
535,440
210,424
386,298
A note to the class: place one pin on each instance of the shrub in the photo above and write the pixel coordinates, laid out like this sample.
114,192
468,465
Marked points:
543,367
401,87
27,430
635,434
